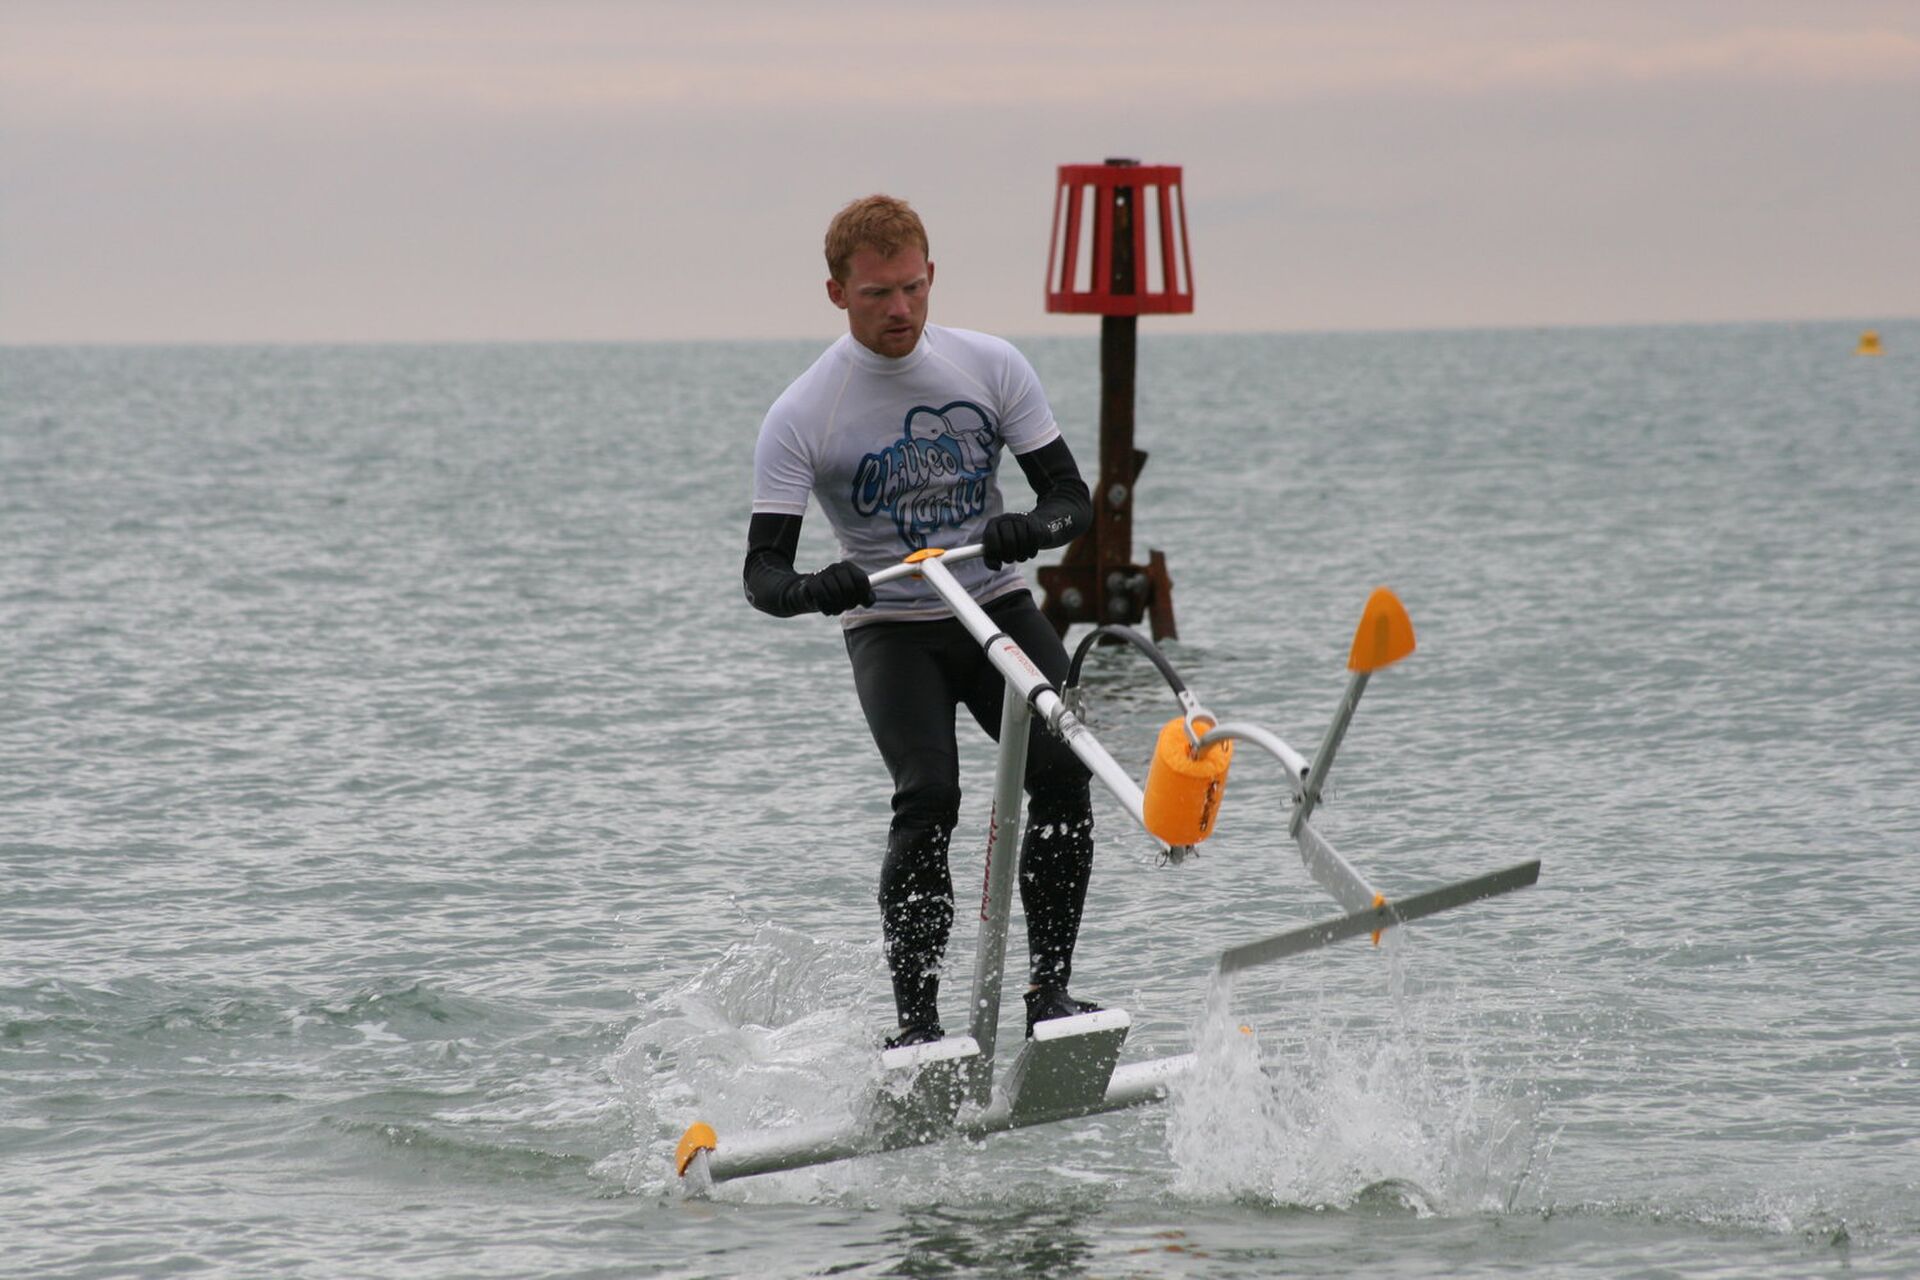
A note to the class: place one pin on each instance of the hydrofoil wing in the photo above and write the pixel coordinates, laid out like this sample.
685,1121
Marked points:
1384,916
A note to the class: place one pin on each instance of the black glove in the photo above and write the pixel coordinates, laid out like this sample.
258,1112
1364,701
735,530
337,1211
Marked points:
1010,538
838,588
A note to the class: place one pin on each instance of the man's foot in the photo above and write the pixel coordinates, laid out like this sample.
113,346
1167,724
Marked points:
1044,1004
918,1033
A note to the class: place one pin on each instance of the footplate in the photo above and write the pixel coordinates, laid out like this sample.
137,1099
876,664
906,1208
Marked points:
1064,1070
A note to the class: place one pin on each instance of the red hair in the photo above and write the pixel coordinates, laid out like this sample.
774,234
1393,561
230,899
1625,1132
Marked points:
881,223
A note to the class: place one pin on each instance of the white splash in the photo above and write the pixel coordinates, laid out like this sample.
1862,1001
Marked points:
778,1031
1326,1115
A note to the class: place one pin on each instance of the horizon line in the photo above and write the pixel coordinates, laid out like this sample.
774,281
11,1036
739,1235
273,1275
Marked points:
1868,321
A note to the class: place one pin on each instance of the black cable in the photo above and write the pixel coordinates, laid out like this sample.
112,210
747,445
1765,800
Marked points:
1139,642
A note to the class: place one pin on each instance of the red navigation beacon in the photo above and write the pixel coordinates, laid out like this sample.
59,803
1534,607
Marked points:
1119,241
1119,251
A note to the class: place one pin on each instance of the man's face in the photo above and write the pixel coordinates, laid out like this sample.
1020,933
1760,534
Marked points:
885,299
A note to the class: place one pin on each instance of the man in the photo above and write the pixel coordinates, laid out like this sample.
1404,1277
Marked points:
897,431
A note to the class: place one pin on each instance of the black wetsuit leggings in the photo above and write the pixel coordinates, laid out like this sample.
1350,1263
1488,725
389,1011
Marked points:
911,676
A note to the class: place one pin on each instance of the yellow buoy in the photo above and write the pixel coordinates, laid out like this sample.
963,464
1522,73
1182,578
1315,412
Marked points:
1183,791
1869,343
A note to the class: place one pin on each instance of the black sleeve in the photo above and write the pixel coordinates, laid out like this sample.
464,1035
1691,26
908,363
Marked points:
771,584
1065,508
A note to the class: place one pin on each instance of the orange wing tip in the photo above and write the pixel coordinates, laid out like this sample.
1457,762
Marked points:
698,1137
1385,634
924,553
1379,901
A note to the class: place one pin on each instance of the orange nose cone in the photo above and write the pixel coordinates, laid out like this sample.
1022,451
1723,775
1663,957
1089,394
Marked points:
698,1137
1385,634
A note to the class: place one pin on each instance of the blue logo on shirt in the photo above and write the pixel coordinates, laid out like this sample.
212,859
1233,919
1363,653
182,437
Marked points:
937,475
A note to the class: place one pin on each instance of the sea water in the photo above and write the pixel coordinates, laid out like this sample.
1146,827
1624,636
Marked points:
407,829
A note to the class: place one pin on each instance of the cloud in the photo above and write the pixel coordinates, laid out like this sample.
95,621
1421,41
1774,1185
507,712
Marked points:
573,57
211,171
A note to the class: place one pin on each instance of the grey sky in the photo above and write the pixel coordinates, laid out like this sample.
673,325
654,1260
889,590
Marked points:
201,171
